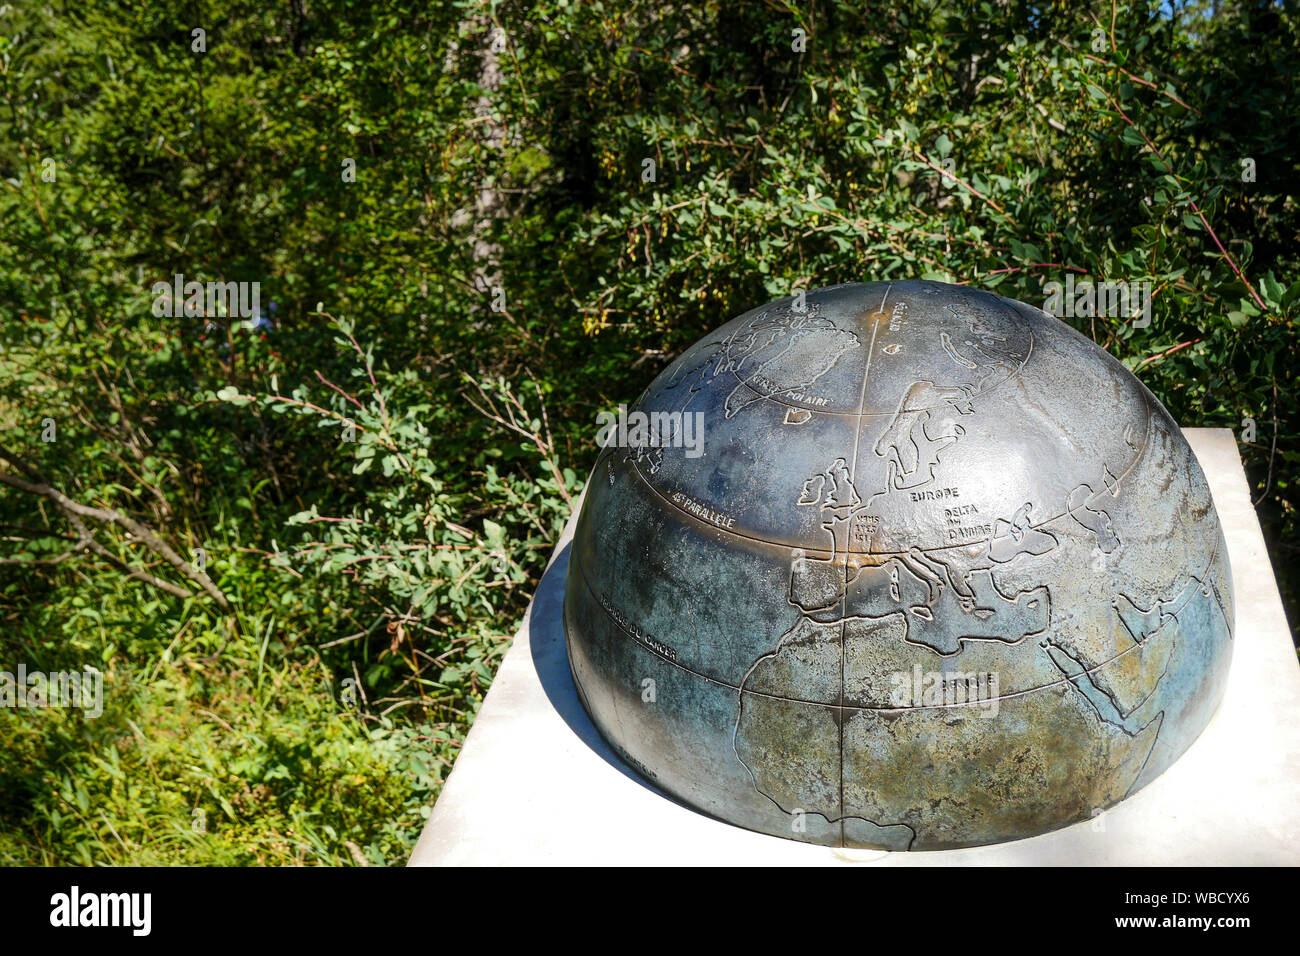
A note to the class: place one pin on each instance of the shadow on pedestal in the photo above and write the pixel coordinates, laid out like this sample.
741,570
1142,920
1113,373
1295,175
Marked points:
551,660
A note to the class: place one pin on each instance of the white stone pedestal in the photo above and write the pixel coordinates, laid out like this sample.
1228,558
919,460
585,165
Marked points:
536,784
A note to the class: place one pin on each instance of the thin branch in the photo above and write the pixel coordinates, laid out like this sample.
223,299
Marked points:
76,512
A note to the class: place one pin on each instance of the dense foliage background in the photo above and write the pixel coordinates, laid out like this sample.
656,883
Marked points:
463,256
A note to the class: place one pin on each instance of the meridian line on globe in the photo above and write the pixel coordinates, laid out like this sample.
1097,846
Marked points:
844,596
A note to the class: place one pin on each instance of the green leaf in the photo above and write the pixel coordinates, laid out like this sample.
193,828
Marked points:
493,534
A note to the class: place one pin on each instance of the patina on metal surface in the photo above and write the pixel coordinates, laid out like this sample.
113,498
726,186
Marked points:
945,574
